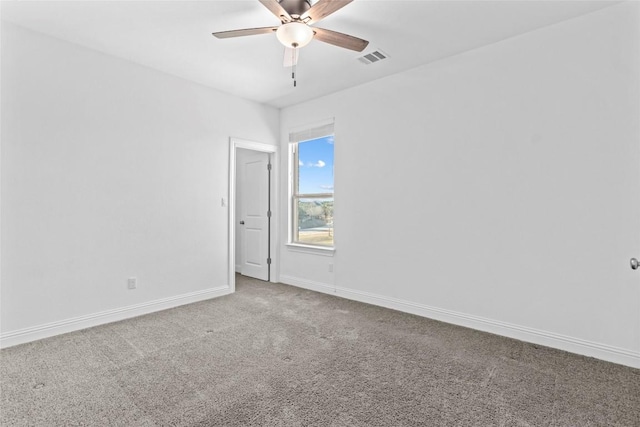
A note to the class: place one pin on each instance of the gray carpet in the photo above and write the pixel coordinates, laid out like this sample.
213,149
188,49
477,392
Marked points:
275,355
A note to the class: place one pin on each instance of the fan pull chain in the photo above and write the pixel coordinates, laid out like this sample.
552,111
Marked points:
293,63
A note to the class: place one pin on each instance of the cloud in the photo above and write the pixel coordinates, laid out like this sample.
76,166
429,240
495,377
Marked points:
300,163
318,164
327,187
330,140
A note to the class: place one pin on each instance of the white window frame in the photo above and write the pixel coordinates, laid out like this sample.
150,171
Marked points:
296,137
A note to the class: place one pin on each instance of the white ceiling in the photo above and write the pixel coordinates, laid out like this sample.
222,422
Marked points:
175,37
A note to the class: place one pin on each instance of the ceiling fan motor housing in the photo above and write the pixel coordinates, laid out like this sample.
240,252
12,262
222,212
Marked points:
296,7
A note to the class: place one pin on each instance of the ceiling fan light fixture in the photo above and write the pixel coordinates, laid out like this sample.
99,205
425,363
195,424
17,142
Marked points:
294,34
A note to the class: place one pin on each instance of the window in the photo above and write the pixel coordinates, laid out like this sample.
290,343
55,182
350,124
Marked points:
312,189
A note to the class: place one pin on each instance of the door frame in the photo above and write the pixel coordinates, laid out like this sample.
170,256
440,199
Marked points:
234,145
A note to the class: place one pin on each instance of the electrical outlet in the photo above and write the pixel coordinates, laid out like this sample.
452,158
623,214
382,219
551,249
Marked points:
330,268
132,282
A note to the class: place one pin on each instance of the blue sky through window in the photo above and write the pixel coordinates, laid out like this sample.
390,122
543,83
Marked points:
315,166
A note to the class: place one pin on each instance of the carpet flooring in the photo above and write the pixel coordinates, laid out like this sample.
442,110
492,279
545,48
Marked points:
276,355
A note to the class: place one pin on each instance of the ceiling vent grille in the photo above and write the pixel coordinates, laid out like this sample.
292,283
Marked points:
375,56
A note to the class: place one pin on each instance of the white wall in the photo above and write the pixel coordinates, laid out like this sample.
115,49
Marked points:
496,189
110,170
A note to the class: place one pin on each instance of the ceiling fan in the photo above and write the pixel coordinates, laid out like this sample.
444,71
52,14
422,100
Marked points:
295,31
296,17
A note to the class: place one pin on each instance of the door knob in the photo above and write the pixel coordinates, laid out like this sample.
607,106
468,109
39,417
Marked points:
242,222
634,264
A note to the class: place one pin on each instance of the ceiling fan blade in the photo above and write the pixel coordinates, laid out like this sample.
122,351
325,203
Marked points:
290,57
245,32
277,10
322,9
339,39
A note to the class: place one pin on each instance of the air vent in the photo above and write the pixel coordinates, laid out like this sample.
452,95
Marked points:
375,56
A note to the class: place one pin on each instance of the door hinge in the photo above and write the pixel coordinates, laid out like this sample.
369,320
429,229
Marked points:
268,214
268,166
268,261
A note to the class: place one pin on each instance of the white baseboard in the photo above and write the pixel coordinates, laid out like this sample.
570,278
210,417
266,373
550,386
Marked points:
307,284
562,342
25,335
238,268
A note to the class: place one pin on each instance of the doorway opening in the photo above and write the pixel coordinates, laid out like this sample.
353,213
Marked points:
253,225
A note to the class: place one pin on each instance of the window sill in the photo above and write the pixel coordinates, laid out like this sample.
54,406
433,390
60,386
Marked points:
308,249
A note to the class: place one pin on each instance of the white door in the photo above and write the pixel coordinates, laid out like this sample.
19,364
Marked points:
253,220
